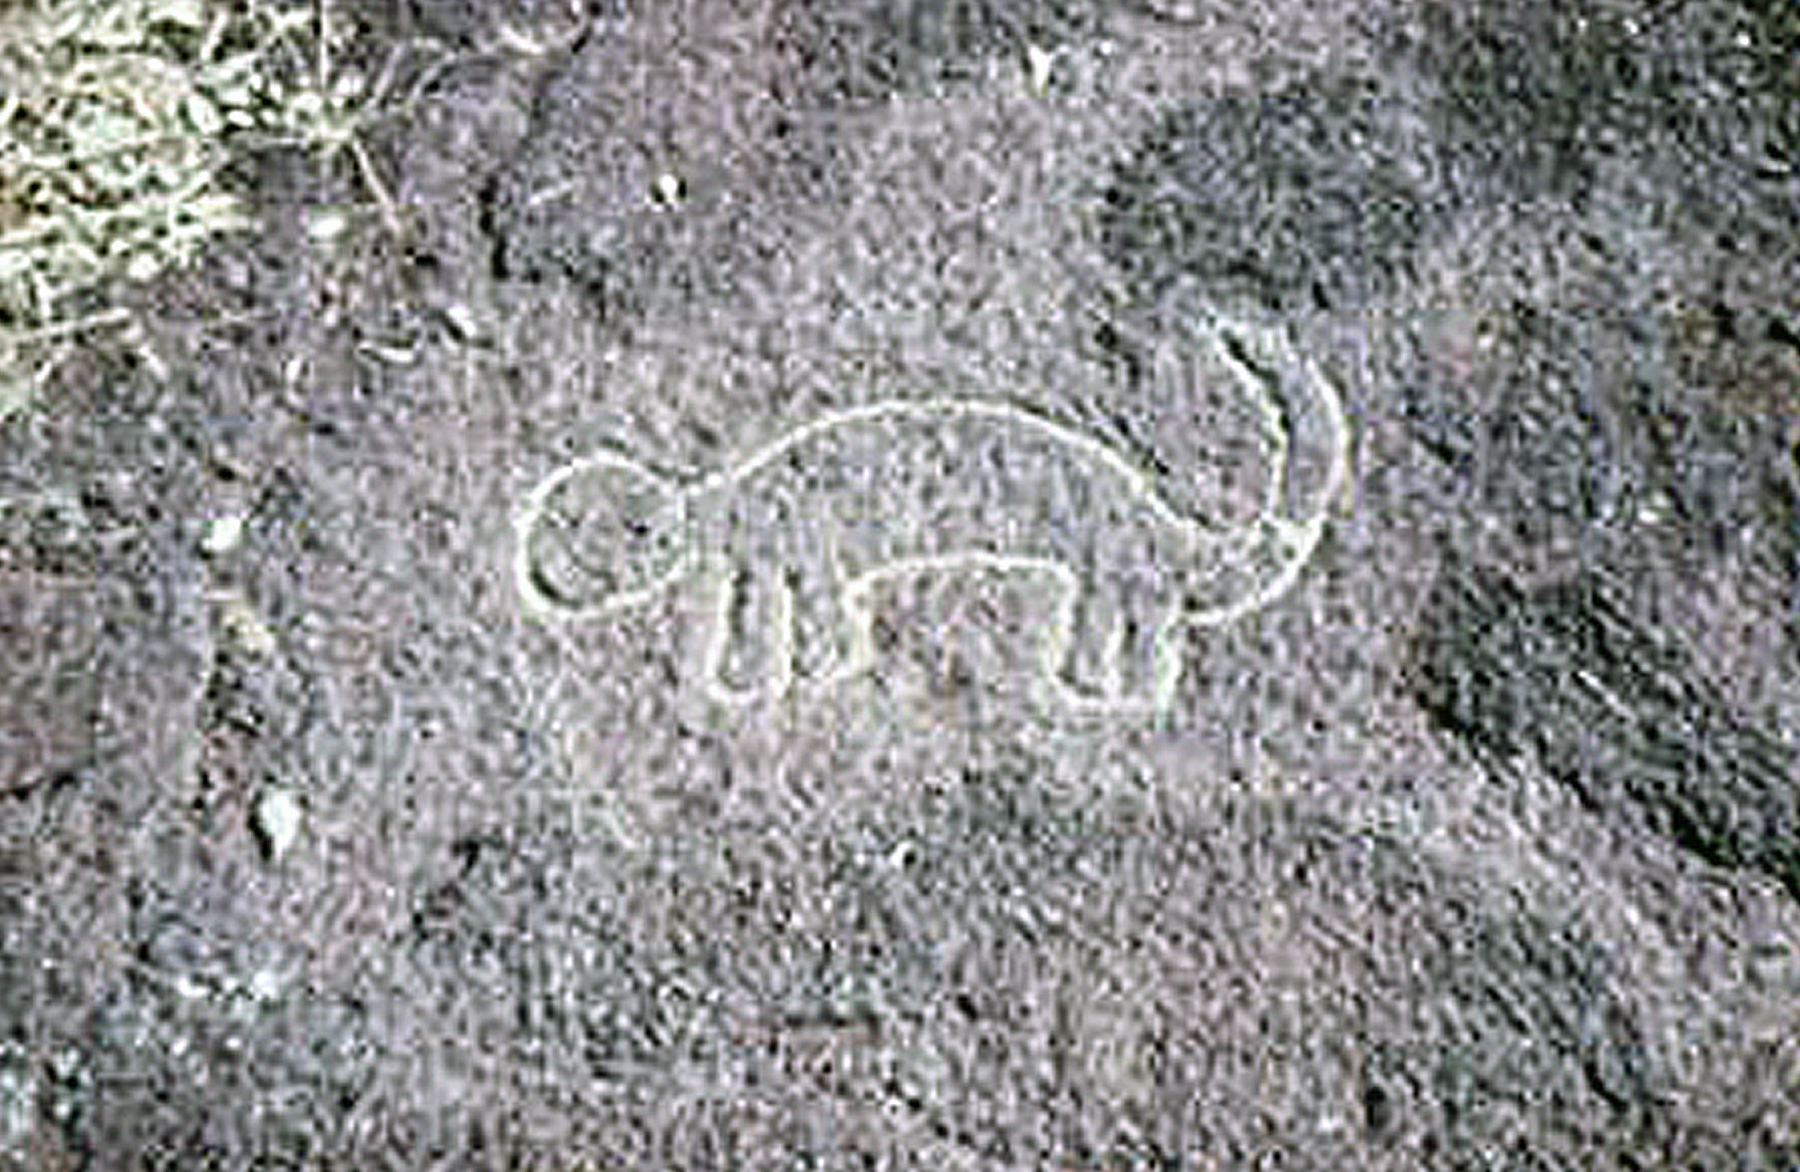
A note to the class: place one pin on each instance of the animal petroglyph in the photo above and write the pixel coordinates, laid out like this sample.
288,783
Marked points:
785,550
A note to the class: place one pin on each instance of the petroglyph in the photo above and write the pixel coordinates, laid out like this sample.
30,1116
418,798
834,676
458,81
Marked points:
784,552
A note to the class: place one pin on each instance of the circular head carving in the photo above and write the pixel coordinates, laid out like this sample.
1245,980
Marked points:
598,535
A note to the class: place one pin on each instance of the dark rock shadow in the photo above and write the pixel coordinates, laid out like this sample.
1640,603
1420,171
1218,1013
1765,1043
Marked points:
1567,676
1554,102
1315,197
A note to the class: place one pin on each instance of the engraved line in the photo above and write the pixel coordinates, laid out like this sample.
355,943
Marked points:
1293,541
541,606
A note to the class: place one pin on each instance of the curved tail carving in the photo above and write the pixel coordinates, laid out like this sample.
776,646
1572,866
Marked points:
1286,389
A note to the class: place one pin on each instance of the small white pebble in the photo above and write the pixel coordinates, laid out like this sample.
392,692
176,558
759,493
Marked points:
154,366
1038,62
265,985
514,41
390,355
278,818
670,190
224,534
203,115
324,227
18,1107
462,321
144,266
247,628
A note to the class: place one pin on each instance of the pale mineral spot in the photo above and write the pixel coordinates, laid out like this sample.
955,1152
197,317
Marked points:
782,554
277,820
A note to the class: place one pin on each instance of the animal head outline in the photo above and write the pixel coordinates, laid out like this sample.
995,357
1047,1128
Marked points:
641,520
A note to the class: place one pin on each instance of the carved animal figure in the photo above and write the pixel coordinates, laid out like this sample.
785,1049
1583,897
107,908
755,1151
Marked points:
786,548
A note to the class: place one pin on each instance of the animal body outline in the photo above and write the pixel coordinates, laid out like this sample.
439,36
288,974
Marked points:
1284,536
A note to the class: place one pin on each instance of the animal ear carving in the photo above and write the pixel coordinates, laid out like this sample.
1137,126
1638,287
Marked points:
785,549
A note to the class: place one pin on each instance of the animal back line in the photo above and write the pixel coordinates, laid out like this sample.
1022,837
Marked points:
1135,479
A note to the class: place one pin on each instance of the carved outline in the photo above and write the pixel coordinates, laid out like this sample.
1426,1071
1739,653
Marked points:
1295,539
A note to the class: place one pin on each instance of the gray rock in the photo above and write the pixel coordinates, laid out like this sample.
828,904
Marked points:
1566,675
1313,197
